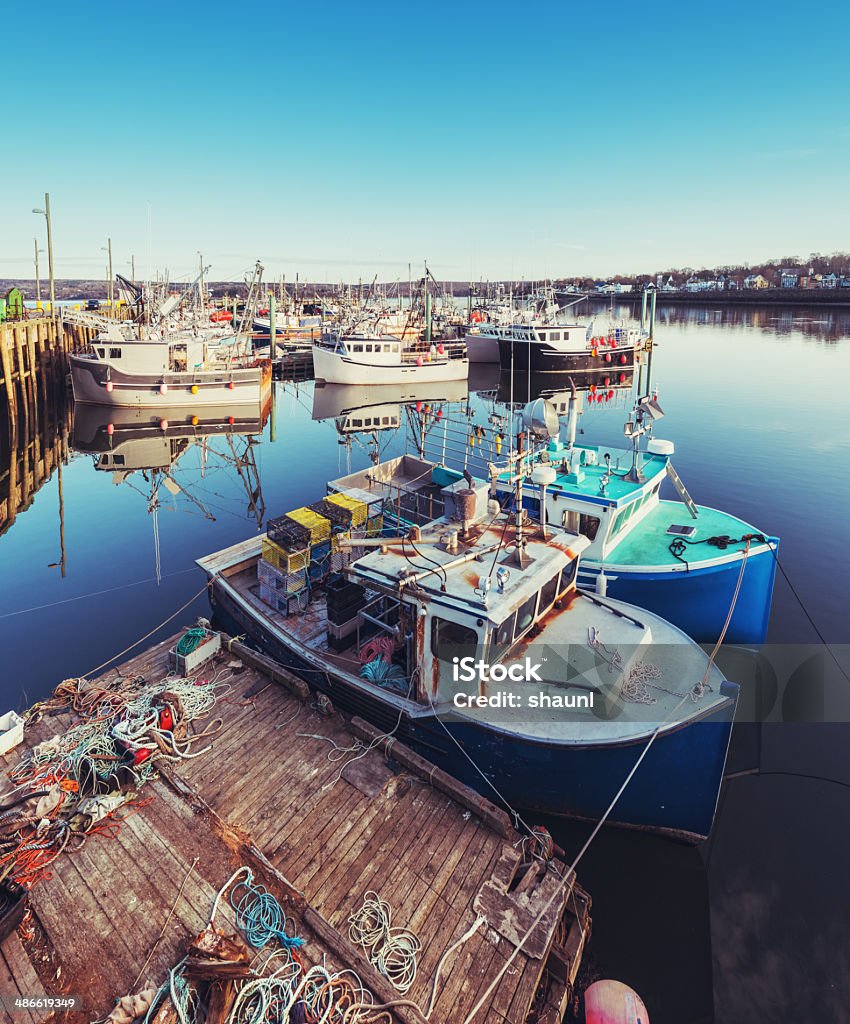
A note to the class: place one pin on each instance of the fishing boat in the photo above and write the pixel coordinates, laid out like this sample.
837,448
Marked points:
168,360
431,631
692,564
365,357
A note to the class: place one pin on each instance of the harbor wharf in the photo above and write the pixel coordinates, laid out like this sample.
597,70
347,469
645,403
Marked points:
322,811
31,350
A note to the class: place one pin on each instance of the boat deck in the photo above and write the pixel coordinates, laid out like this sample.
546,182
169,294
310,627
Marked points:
649,543
312,804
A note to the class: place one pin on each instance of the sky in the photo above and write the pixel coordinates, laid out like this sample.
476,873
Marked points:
498,141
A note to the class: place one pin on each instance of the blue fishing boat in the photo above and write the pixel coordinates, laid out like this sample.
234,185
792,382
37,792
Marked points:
689,563
468,639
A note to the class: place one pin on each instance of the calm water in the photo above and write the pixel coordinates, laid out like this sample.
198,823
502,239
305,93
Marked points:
749,927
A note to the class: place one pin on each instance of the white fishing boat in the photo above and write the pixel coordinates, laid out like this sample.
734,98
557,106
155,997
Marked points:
370,358
168,359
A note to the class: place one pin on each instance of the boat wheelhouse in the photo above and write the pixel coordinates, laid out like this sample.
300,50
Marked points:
692,564
564,348
388,641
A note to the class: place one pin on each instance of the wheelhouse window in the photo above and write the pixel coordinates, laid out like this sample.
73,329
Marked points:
368,348
588,526
568,575
102,353
115,353
549,593
554,336
503,636
452,639
525,616
358,348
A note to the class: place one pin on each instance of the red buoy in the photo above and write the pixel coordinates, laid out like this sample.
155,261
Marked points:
231,385
623,359
231,420
622,378
163,424
607,357
110,429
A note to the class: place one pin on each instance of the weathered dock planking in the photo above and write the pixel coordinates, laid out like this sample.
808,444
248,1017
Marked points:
318,831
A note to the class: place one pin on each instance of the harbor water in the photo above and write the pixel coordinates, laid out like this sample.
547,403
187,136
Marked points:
749,926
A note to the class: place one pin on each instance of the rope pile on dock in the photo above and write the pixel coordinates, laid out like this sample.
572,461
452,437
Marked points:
218,981
392,950
74,785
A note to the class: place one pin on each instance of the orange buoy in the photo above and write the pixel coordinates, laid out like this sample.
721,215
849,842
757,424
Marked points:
110,429
623,359
163,424
109,385
612,1002
231,385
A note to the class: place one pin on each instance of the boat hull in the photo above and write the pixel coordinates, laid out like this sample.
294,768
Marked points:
698,599
91,380
482,349
536,357
674,791
334,368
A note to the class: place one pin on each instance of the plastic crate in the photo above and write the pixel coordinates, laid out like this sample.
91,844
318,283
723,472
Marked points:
281,558
359,510
282,582
11,731
319,527
288,534
340,560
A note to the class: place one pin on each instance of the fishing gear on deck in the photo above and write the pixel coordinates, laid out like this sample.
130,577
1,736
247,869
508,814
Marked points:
680,545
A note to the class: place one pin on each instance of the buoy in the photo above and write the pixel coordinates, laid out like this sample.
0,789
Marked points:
440,348
194,389
591,397
606,380
163,388
592,388
110,429
593,352
622,378
623,359
419,407
163,424
231,385
612,1002
610,395
194,421
607,357
109,385
231,420
419,360
612,342
439,414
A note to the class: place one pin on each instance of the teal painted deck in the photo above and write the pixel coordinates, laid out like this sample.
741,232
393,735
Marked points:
648,543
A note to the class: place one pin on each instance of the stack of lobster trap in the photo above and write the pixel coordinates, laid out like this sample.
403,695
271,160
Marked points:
302,548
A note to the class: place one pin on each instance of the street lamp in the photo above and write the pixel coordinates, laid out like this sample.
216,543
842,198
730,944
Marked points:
109,291
46,213
37,278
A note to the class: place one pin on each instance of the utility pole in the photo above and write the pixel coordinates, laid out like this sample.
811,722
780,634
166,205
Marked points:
111,284
46,213
37,279
133,268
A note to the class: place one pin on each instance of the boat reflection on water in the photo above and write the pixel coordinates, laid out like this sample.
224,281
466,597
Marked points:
139,447
604,385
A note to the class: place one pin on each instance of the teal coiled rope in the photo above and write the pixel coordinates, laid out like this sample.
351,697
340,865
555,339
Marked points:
190,640
259,915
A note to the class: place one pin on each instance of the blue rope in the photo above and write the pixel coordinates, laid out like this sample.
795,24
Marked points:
260,917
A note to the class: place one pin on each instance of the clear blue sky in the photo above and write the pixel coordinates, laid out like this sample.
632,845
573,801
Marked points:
494,140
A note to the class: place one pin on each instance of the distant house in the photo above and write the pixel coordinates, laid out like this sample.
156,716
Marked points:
756,281
788,278
829,281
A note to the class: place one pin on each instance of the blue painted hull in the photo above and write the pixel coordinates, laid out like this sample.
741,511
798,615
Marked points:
674,791
698,601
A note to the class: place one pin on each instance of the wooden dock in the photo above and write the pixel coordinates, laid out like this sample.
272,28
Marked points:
321,810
